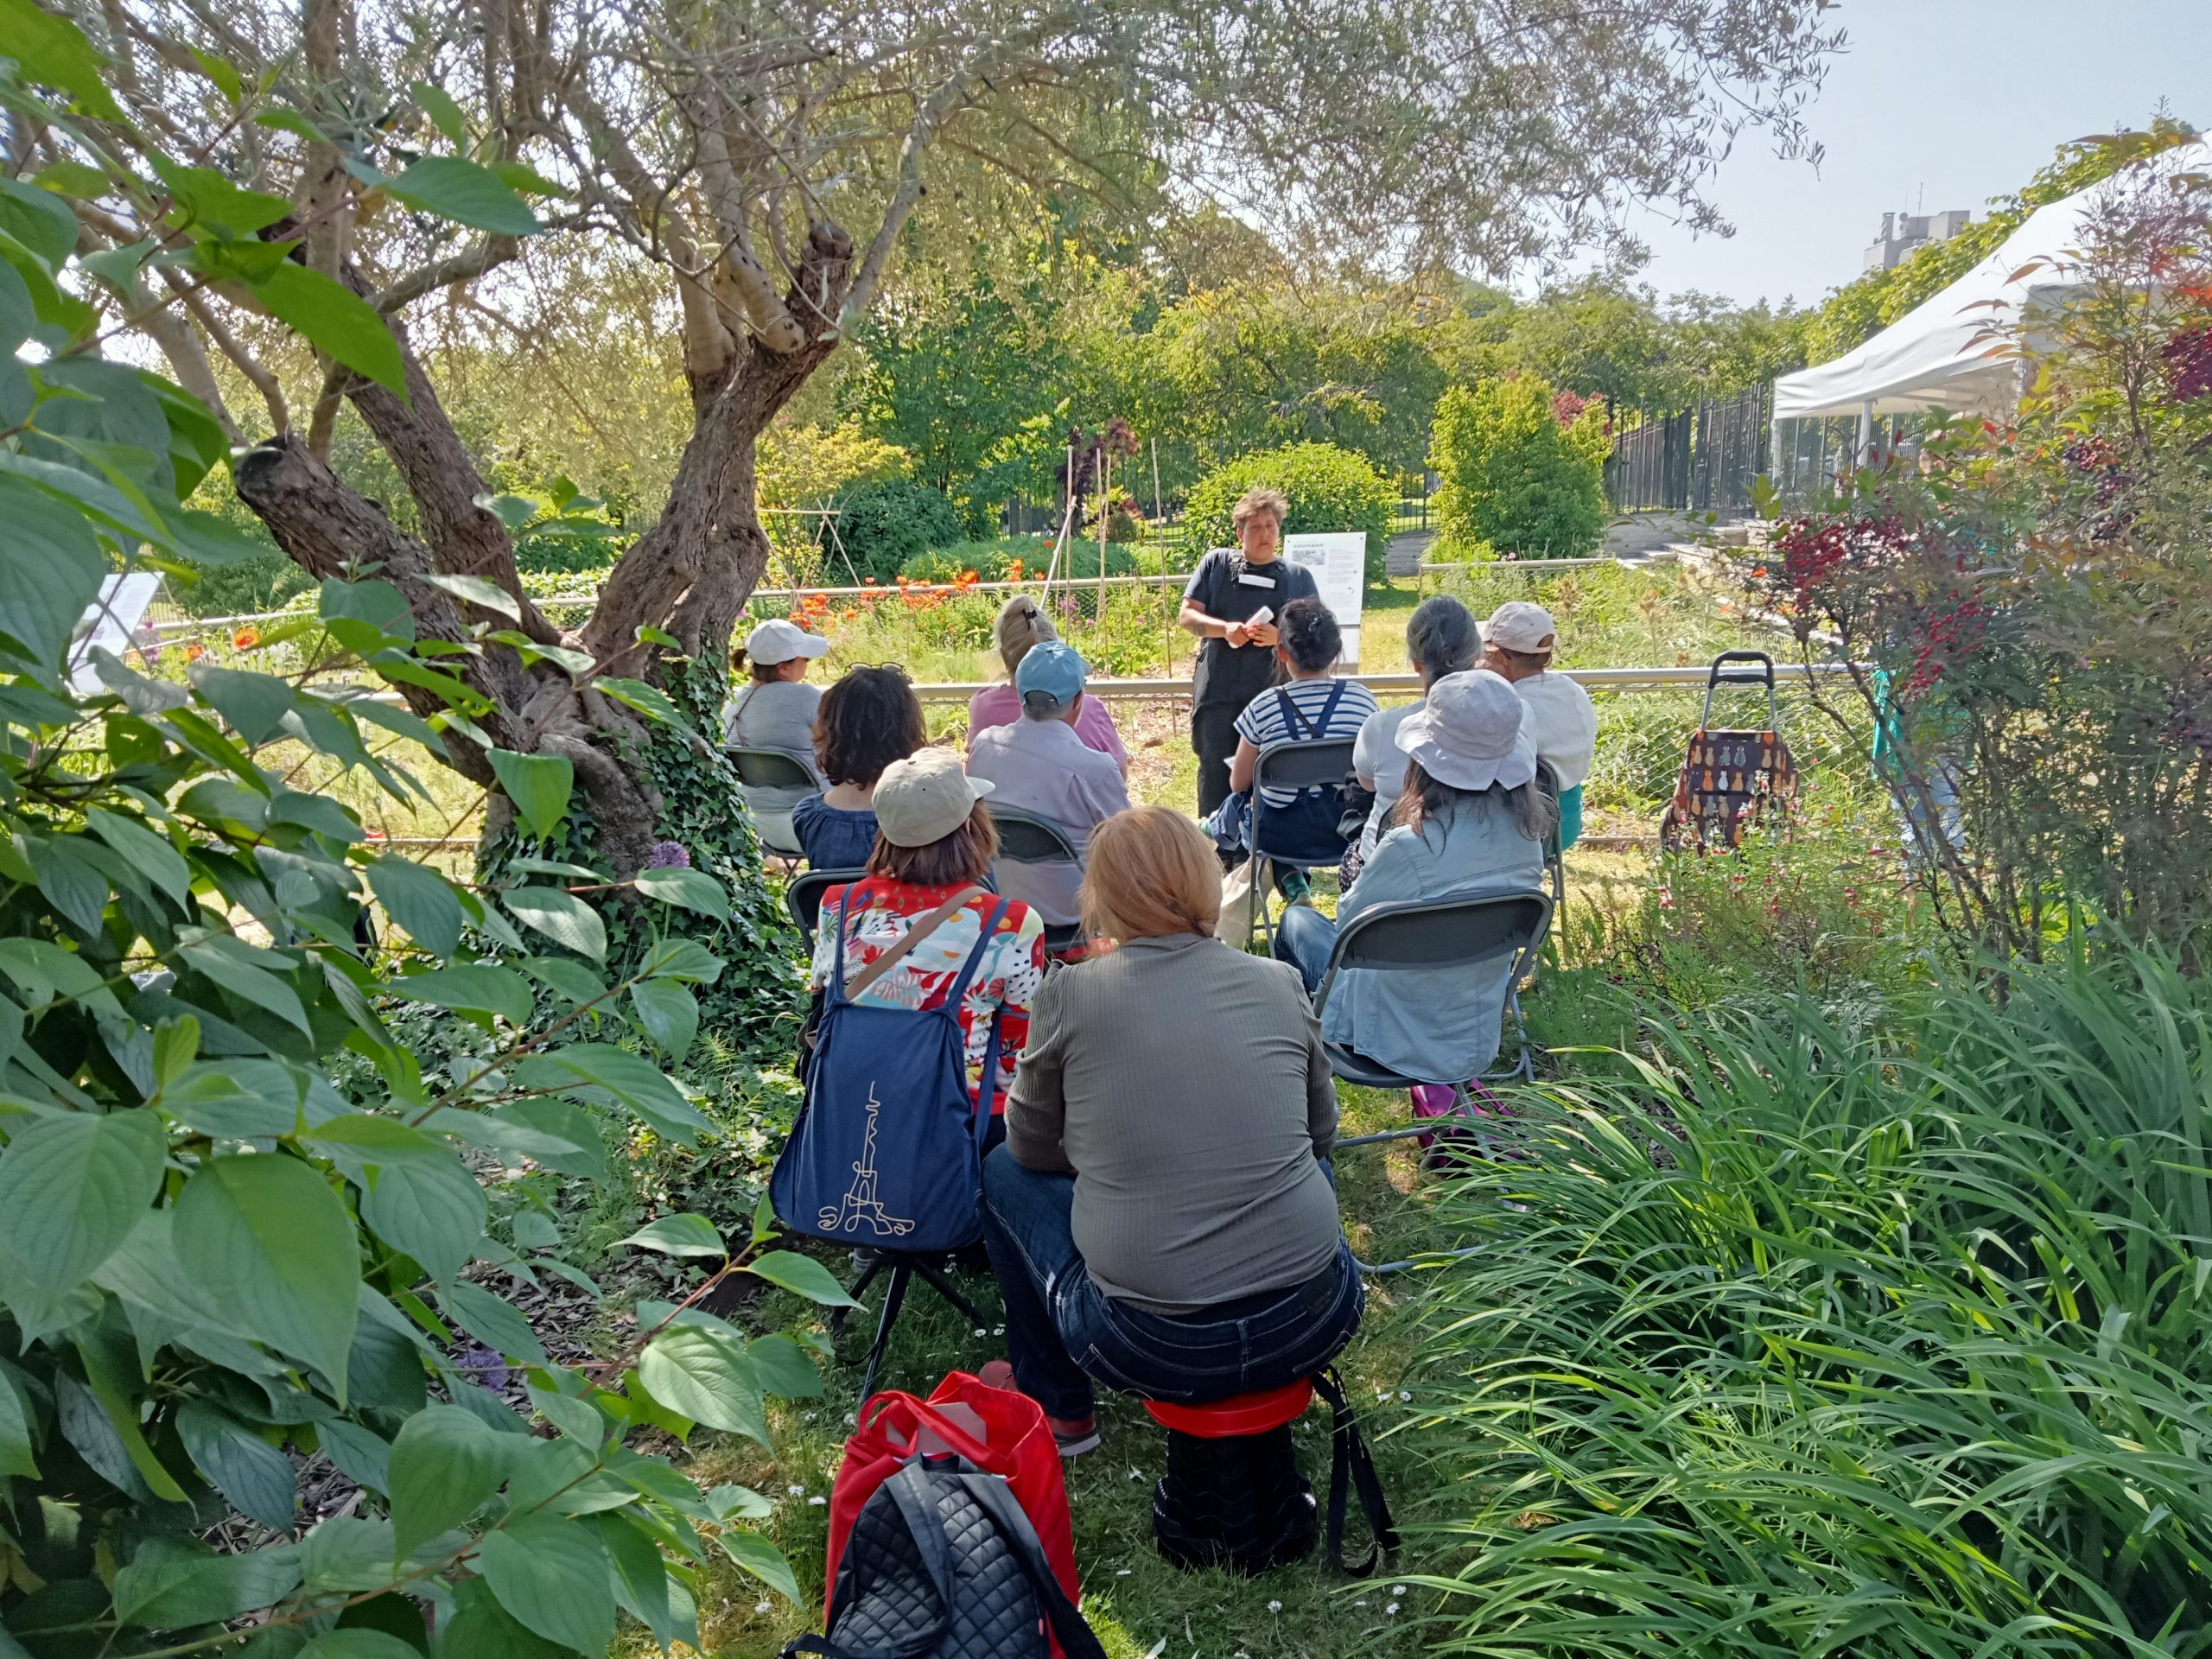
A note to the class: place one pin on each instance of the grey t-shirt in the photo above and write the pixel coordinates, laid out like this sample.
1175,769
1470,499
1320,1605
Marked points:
777,716
1184,1084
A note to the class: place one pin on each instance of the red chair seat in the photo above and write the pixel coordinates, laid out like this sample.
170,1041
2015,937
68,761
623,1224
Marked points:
1241,1415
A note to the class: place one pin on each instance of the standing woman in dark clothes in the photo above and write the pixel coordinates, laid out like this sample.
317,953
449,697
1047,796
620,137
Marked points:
1237,661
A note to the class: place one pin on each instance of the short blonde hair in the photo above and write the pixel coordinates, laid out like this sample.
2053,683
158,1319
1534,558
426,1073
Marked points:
1261,498
1021,625
1149,872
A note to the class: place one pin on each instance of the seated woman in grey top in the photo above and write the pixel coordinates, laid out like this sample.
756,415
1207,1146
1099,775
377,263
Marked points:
1159,1218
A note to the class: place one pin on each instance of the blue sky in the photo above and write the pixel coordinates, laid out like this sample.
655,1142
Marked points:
1946,101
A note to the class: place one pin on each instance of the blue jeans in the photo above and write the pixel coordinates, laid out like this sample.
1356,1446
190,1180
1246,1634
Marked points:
1303,939
1062,1331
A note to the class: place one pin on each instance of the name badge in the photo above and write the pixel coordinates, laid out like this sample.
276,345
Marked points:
1250,581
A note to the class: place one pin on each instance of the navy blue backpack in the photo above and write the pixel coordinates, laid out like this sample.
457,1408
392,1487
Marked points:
884,1152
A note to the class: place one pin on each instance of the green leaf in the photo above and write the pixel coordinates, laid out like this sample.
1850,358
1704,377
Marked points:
705,1375
335,320
756,1555
416,1194
669,1014
172,1584
75,886
39,220
292,122
444,113
206,197
486,595
681,958
445,1465
53,568
784,1368
539,785
692,889
53,52
18,318
492,1320
738,1504
645,699
419,899
640,1578
561,916
570,980
472,988
221,958
358,1642
18,1451
362,1457
465,192
803,1275
224,77
679,1235
254,1475
148,852
319,813
631,1079
240,1099
72,1187
255,704
274,1247
557,1133
554,1576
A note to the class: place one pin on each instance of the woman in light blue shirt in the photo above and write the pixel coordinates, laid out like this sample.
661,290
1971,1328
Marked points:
1470,821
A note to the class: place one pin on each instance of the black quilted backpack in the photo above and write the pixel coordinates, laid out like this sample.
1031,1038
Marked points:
942,1564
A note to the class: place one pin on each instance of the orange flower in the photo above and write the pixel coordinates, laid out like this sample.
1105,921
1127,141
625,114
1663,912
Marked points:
194,653
1014,571
247,638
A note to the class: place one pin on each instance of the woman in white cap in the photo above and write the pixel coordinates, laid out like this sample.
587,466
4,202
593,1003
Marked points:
1470,820
775,709
934,835
1519,643
1021,627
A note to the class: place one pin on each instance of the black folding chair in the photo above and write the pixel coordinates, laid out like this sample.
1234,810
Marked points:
1298,764
1450,933
802,896
1554,855
759,769
904,1267
1029,838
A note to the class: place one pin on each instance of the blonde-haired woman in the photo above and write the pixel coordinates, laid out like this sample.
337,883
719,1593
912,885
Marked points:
1021,625
1159,1218
1232,602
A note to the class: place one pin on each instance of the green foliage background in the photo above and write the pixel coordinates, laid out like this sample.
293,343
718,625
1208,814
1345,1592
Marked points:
1515,481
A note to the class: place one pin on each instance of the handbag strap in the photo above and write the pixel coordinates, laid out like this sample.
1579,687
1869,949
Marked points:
921,929
1075,1637
1351,1465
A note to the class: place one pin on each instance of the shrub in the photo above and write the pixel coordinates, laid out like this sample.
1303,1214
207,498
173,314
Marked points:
1329,489
1513,476
885,524
1802,1339
992,559
214,1266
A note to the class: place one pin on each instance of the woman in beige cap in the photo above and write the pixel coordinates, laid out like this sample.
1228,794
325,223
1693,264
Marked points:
934,835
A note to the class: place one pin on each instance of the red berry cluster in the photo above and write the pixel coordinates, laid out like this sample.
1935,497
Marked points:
2188,364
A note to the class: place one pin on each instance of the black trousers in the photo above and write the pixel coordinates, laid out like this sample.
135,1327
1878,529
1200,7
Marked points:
1213,736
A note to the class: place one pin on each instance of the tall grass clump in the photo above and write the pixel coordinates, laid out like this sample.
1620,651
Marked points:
1802,1340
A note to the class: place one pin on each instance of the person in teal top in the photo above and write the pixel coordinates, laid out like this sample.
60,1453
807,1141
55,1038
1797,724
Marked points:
1471,821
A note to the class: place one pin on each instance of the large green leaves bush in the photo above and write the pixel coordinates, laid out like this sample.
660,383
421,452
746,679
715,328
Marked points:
884,524
1514,481
223,1282
1329,490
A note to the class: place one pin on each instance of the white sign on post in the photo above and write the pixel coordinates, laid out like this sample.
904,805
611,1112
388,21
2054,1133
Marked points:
1338,562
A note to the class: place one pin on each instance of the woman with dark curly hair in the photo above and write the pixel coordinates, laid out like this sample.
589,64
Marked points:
869,719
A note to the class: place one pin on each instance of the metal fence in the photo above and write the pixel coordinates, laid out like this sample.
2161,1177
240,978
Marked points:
1649,467
1697,459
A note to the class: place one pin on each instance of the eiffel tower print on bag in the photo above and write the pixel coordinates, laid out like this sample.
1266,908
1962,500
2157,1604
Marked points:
884,1152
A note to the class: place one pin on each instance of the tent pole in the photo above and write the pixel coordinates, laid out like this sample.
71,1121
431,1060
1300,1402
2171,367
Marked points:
1774,443
1865,436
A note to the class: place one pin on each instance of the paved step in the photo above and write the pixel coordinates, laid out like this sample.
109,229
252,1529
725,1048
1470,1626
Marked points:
1403,555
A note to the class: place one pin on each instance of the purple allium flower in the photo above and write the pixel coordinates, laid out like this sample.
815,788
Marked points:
486,1365
668,856
1068,606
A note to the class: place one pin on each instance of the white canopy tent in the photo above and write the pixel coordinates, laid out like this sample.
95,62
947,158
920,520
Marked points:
1938,355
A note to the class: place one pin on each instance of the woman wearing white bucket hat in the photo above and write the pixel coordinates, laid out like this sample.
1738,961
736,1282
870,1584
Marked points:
1470,821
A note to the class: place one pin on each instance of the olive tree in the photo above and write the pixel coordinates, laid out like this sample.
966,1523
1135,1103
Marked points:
769,156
